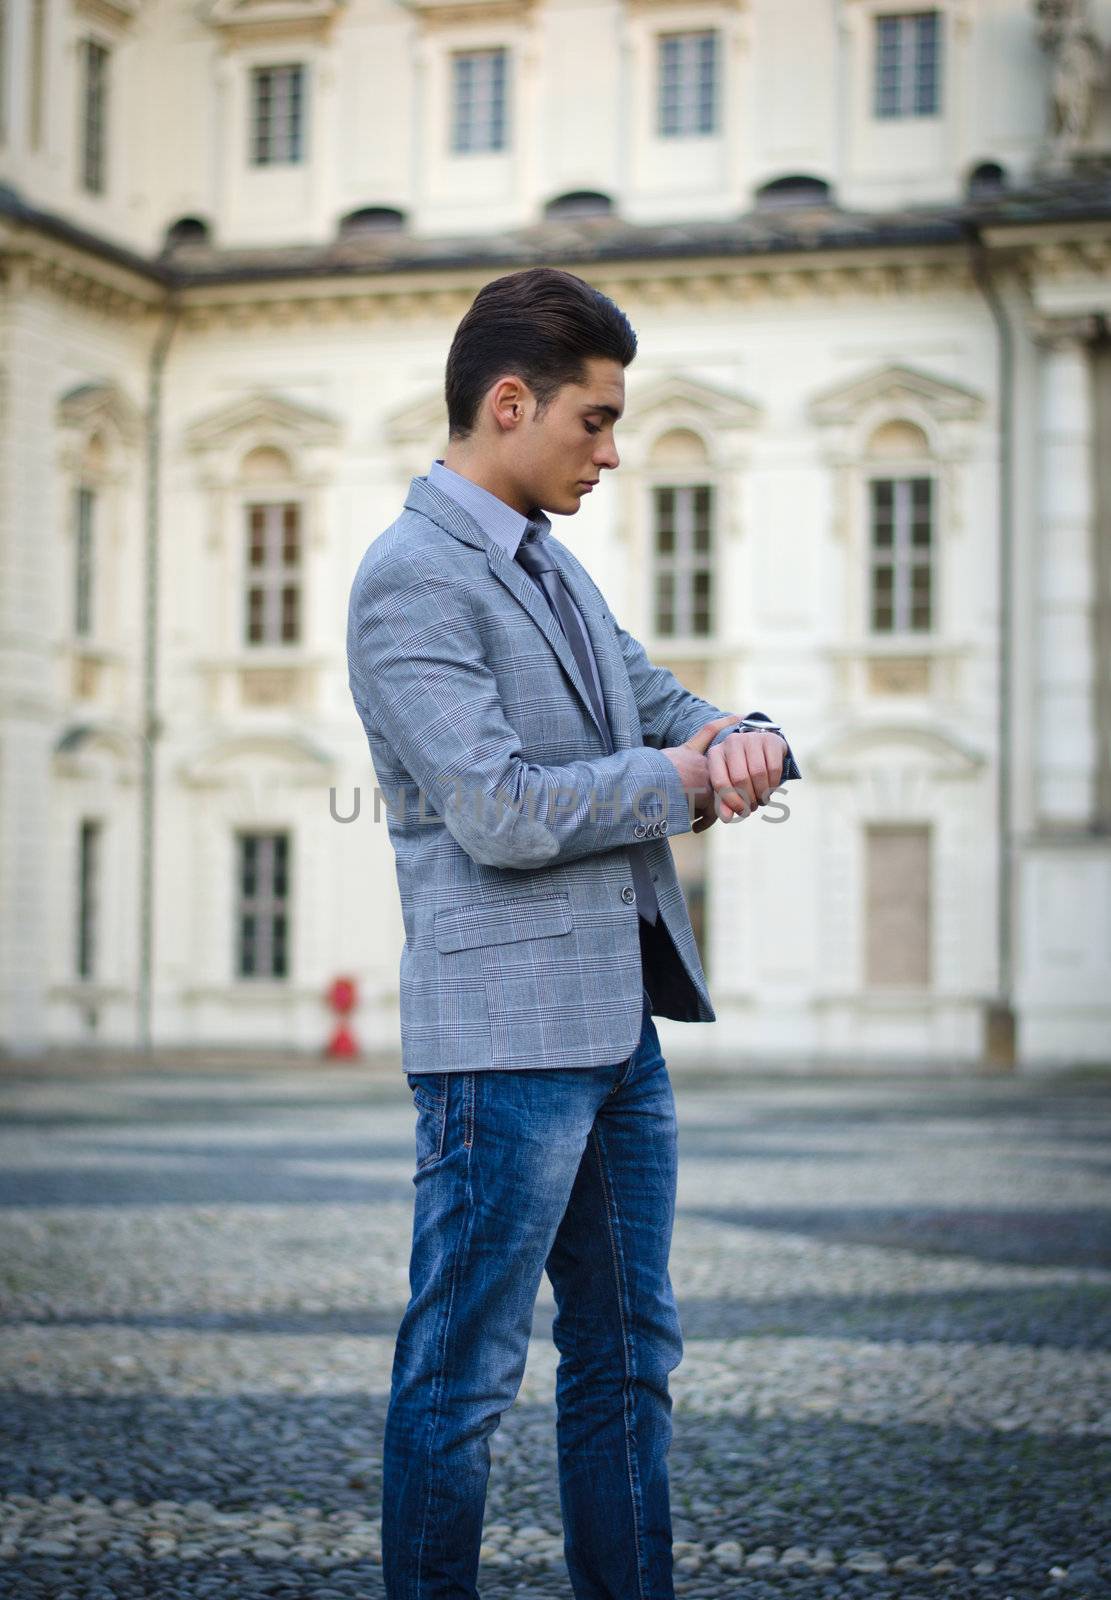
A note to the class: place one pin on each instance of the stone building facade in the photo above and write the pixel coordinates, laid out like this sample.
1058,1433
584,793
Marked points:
865,485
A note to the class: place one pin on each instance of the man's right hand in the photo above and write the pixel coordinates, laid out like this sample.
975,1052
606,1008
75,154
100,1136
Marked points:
689,760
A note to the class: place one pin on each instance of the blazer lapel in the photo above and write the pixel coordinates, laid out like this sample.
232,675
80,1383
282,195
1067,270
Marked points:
426,498
606,655
522,588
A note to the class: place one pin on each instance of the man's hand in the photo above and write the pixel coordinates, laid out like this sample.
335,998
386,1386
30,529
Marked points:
690,761
743,771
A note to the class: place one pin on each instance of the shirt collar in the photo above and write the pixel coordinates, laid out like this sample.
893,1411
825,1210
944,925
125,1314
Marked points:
497,520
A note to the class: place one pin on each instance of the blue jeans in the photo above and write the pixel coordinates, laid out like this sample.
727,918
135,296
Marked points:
572,1171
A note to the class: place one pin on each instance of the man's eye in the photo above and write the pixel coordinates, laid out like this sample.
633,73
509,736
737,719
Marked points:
590,428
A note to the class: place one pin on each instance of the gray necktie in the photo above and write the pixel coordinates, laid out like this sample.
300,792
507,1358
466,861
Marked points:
540,564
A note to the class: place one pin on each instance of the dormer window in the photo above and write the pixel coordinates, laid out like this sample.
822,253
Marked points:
479,120
277,115
908,65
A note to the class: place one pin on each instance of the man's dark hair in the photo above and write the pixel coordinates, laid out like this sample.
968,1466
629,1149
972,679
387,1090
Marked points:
542,325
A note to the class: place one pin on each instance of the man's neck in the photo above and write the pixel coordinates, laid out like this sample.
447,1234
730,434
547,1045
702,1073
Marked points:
487,477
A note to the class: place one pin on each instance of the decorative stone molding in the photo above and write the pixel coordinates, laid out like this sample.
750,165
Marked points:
98,753
250,758
717,416
897,390
435,14
93,407
850,413
933,749
415,432
248,21
686,5
225,436
1053,333
117,14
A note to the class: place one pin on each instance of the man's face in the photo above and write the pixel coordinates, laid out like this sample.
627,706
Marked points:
555,456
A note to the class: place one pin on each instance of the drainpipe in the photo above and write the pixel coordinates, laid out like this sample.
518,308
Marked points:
999,1044
151,726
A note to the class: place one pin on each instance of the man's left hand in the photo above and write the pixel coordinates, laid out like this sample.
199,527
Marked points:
744,769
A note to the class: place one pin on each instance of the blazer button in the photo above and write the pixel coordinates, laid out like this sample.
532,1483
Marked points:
639,831
628,894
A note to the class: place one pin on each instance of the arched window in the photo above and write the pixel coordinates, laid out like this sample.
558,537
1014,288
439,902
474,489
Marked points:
902,510
273,550
683,511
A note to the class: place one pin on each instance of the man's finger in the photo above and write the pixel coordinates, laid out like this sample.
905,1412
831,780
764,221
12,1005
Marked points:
700,741
731,782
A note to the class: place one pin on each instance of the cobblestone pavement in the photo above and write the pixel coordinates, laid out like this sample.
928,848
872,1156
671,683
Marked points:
895,1299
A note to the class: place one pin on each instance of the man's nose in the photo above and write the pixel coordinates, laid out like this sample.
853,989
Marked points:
607,456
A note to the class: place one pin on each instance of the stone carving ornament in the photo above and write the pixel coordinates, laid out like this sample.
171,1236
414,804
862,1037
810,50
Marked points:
1079,70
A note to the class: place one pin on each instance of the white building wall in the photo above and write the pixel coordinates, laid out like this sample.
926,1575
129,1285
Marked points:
795,94
780,369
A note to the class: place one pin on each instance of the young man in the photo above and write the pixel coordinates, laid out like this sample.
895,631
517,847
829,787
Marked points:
534,760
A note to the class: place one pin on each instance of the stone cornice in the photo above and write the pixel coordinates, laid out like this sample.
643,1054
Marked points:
895,385
438,14
692,265
114,14
245,21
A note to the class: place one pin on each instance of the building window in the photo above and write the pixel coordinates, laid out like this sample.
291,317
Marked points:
897,906
908,65
94,116
262,943
683,559
902,537
687,99
277,115
88,886
85,504
479,100
273,611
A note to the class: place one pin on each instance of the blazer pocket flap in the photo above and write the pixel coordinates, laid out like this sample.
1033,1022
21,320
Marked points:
499,922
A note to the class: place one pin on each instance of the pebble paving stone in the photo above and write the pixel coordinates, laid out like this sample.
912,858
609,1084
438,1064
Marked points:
895,1295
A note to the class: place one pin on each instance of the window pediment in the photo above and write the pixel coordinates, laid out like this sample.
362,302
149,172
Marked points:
674,395
266,19
896,388
673,403
934,750
277,758
103,751
115,13
421,423
94,405
438,13
268,416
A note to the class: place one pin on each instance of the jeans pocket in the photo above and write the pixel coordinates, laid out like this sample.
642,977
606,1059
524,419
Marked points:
430,1093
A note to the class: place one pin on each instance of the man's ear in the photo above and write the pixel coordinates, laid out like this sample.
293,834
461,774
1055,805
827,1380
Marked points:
507,402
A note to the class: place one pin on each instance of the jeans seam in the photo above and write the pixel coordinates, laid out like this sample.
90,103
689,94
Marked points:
468,1110
438,1388
634,1486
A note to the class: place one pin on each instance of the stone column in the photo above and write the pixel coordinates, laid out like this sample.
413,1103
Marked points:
1065,579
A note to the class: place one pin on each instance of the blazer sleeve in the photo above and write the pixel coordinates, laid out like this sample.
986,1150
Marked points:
669,714
417,670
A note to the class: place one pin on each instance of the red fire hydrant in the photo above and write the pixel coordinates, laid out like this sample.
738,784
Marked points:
342,997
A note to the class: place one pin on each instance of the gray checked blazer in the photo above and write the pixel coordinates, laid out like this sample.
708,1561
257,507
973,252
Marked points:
510,824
